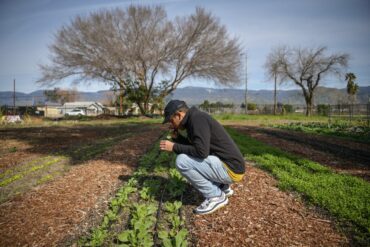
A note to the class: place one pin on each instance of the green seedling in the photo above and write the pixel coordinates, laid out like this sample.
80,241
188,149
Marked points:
179,240
176,184
141,223
173,207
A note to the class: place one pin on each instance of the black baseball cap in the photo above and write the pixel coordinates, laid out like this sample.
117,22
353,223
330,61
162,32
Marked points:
171,108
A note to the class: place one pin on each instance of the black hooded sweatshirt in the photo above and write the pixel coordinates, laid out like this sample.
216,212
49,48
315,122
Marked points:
206,136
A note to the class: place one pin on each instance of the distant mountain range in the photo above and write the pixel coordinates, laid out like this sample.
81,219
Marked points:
197,95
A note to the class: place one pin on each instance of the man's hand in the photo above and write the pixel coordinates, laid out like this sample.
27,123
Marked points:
166,146
173,135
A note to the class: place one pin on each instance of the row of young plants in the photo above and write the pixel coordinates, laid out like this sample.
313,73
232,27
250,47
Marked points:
80,153
21,177
19,172
146,210
358,131
88,151
344,196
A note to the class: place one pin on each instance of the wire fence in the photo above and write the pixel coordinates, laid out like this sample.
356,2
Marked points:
348,112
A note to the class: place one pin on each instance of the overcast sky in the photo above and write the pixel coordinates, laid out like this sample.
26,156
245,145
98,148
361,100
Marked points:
27,28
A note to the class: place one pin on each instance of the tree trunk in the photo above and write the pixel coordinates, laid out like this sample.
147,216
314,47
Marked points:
141,108
121,102
275,97
309,105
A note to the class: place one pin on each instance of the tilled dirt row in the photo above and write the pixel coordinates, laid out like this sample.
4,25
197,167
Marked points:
60,211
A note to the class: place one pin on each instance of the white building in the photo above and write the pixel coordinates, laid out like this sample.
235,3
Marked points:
91,108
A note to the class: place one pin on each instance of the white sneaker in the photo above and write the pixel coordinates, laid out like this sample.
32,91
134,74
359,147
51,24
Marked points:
227,189
212,204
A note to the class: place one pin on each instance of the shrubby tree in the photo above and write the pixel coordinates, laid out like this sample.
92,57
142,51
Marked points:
306,67
273,70
142,53
61,95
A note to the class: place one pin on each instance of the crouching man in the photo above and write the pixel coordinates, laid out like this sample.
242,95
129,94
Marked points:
206,155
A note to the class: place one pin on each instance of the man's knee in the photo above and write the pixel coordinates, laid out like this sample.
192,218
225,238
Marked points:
183,162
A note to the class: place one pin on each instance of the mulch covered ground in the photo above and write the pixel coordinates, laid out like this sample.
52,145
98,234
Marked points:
58,212
258,214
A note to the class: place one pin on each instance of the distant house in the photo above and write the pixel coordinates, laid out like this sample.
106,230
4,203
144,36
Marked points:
91,108
50,110
135,110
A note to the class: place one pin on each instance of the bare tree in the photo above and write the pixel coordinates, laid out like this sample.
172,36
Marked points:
139,51
306,67
62,95
273,67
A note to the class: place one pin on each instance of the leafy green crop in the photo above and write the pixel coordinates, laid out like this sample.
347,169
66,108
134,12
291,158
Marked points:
150,189
176,184
97,238
177,235
179,240
99,234
142,222
155,173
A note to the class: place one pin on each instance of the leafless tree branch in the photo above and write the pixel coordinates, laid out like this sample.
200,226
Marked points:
139,47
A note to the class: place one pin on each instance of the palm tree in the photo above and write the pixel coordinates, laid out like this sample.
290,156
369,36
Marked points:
352,89
273,70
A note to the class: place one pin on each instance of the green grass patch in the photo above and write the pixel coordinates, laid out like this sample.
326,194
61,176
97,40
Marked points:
83,121
358,131
265,120
344,196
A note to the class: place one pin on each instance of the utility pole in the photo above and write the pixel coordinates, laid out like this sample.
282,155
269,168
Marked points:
14,97
246,83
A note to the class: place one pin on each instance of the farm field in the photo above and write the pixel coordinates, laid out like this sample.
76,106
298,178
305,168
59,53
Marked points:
105,183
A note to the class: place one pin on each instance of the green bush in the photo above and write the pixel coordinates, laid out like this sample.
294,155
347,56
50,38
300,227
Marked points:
323,110
251,106
287,108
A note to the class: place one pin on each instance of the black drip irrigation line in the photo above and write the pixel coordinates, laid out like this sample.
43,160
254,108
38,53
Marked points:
158,215
180,209
155,235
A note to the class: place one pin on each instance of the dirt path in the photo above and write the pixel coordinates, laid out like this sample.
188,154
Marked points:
60,211
261,215
341,155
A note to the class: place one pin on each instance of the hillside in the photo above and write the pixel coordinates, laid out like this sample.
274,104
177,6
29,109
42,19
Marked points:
196,95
